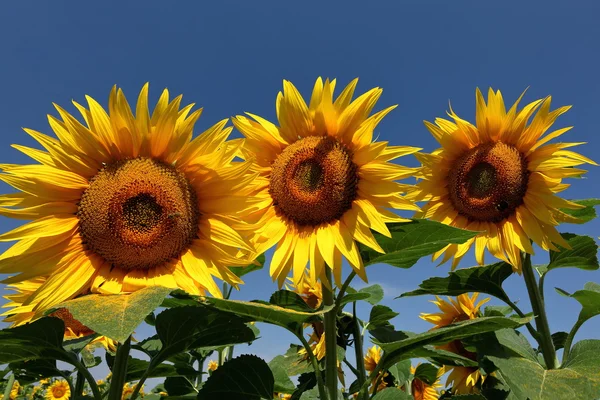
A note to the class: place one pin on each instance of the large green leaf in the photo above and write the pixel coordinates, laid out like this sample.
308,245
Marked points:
38,340
486,279
372,294
137,367
245,377
401,372
116,316
380,315
290,300
264,312
283,383
584,214
589,298
412,240
190,327
178,386
582,254
392,394
578,378
404,344
292,362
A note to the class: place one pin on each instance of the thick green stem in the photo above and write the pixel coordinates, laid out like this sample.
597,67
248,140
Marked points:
119,370
81,369
541,320
569,340
315,364
358,349
79,384
330,339
9,385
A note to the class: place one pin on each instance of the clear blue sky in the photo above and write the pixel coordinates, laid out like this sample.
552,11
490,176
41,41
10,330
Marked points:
231,57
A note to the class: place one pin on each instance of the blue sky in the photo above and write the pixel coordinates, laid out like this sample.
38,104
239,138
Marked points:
230,57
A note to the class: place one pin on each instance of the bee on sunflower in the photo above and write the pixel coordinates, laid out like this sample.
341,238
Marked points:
120,202
499,177
322,180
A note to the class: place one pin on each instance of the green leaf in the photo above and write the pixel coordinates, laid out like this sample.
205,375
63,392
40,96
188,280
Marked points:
264,312
41,339
293,363
578,378
401,372
426,373
34,370
283,383
88,358
582,254
588,297
151,346
497,311
245,377
350,297
184,328
372,294
398,350
380,315
116,316
306,382
137,367
291,300
178,386
441,356
257,265
487,279
558,339
392,394
584,214
412,240
77,345
506,339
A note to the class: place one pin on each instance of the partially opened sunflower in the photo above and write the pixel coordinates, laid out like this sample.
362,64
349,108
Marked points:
500,177
324,183
120,202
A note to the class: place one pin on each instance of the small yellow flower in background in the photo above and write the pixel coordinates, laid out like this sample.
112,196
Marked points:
59,390
454,310
464,380
499,177
117,183
212,365
422,391
323,183
309,289
44,381
372,357
128,389
317,345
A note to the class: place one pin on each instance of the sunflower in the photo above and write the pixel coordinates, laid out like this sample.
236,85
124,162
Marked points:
462,308
128,390
323,182
59,390
462,379
310,290
500,178
371,359
122,202
23,314
422,391
212,365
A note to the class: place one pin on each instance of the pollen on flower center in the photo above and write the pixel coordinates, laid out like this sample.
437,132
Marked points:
138,213
314,181
489,182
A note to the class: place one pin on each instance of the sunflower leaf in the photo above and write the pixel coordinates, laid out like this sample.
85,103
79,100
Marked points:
252,376
191,327
582,254
405,343
589,298
136,368
584,214
412,240
487,279
392,394
426,373
380,315
116,316
578,377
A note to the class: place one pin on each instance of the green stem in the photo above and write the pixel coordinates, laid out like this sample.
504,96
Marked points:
88,376
541,286
79,384
200,371
532,331
70,382
358,349
9,385
119,370
351,367
541,320
315,364
342,291
230,352
569,340
330,339
140,383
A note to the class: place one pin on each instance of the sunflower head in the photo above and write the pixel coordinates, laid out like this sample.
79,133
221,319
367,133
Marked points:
310,290
120,201
212,365
323,183
465,380
59,390
499,177
462,308
372,357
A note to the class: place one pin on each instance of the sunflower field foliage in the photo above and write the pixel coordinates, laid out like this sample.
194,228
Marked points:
133,217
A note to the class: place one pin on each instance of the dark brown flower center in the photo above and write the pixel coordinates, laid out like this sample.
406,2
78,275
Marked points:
314,181
138,214
489,182
77,327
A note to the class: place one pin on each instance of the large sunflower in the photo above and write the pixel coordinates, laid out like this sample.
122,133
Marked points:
121,202
323,182
501,178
